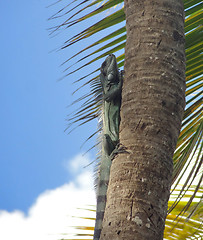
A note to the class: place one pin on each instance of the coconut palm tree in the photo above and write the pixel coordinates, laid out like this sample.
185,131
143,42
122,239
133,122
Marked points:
156,37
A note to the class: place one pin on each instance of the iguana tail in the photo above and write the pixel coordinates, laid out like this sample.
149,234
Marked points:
101,193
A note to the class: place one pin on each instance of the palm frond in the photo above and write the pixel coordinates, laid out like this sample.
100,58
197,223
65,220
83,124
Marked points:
187,225
185,221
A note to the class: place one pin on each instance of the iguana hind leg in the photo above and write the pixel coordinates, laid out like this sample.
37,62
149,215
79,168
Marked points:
108,144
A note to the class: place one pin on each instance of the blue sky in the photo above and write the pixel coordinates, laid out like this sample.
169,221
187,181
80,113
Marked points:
34,148
42,175
42,179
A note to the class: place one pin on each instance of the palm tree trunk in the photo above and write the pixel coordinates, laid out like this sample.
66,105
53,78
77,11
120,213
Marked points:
152,106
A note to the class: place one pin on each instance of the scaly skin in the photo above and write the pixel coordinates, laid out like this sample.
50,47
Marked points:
111,81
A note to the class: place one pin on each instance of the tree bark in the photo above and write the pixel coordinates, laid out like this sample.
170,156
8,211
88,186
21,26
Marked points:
153,102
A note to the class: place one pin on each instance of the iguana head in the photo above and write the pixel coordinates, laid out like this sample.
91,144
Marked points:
109,68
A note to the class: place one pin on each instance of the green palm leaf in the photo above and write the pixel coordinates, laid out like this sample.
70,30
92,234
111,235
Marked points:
185,226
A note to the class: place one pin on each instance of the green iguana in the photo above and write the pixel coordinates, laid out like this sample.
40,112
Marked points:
111,81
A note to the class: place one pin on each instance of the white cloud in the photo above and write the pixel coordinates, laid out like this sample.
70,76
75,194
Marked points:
78,164
81,166
51,215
